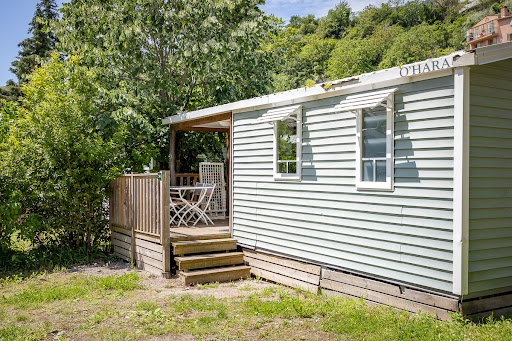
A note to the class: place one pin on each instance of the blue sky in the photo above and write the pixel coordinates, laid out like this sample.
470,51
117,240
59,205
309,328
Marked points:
16,14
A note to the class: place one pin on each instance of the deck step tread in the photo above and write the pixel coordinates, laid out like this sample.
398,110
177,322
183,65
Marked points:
223,274
205,241
209,260
203,246
177,237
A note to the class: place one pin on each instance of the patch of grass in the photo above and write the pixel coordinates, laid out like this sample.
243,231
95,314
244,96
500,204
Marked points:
212,285
77,287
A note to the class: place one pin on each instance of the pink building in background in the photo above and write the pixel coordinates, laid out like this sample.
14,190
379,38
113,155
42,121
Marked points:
493,29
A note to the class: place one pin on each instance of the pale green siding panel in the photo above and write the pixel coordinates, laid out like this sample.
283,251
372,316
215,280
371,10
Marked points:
490,256
403,235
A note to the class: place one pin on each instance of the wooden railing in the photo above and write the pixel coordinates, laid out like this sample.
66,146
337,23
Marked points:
186,179
139,219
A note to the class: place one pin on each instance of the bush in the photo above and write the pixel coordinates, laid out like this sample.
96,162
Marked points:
57,157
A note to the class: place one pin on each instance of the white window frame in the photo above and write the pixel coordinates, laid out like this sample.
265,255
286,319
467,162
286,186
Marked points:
390,124
287,176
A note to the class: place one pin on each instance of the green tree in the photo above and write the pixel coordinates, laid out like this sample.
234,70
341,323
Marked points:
409,48
40,44
10,92
58,154
337,21
171,56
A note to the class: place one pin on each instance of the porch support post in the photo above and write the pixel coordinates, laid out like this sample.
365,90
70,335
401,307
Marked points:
172,155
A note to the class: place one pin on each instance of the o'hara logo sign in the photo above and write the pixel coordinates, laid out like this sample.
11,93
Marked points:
428,66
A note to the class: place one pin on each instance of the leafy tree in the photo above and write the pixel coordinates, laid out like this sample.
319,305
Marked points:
306,25
58,155
408,48
337,21
353,56
10,92
40,44
171,56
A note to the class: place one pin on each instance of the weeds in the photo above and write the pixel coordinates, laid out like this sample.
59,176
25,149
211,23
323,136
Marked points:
274,313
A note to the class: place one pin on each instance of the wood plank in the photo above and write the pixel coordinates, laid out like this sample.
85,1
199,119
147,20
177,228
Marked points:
141,264
148,238
121,244
225,274
178,237
148,253
482,305
143,260
209,119
494,313
333,293
149,245
122,230
122,253
283,270
394,290
209,260
164,219
122,237
288,281
203,246
385,299
314,269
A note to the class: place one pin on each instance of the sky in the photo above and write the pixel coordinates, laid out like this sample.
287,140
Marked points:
16,15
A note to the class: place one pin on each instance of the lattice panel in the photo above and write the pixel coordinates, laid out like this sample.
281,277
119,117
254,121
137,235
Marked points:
213,173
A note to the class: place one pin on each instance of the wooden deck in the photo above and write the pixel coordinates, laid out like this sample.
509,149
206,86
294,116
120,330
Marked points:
200,231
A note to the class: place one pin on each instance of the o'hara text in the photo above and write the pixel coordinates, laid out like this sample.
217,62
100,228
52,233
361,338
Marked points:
428,66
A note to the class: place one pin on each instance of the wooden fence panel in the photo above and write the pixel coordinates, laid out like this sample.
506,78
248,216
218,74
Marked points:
139,219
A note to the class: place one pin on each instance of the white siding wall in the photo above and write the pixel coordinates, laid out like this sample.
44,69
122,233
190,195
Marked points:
490,224
404,235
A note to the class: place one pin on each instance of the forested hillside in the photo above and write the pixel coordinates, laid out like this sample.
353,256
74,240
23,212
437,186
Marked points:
309,50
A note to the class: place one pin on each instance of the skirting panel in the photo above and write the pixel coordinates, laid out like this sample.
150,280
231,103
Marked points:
285,271
121,241
484,307
334,283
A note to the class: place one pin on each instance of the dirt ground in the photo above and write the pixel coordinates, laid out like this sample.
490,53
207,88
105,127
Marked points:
165,287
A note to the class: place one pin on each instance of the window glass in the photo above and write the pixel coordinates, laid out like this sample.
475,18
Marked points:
287,140
494,40
476,33
374,144
491,27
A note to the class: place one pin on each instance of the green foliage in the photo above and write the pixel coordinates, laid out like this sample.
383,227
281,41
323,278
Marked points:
10,92
171,56
39,46
337,21
191,144
58,154
408,47
343,44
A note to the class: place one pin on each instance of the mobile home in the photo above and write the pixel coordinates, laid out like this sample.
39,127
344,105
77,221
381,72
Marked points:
394,185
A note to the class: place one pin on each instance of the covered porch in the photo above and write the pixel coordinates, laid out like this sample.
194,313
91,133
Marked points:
140,217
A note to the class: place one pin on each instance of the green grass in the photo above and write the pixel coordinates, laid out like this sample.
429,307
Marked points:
53,306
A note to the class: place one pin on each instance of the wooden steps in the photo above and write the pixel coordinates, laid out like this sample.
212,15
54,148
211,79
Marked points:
208,258
224,274
202,246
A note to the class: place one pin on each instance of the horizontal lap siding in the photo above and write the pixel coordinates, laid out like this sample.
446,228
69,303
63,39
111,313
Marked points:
404,235
490,248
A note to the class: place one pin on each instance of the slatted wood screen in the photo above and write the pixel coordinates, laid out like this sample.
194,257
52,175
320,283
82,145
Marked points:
139,220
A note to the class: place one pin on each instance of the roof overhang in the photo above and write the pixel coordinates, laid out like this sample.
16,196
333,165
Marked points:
428,69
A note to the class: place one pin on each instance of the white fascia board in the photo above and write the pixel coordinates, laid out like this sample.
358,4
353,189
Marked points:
461,181
430,68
